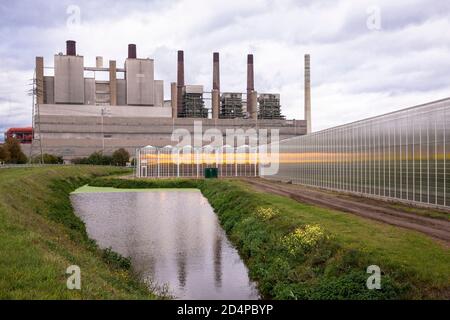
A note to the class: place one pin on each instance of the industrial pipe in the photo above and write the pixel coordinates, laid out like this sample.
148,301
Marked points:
250,81
71,48
216,71
180,81
131,51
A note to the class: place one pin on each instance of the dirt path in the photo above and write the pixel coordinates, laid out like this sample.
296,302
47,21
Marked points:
436,228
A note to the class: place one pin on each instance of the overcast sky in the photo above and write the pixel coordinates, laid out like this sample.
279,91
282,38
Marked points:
367,57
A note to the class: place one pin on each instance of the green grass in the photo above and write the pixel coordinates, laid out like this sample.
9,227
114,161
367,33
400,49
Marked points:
413,265
40,237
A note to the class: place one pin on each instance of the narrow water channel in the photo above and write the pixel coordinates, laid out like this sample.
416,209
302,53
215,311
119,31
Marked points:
173,238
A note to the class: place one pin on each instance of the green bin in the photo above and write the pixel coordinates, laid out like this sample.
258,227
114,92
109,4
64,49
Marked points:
211,173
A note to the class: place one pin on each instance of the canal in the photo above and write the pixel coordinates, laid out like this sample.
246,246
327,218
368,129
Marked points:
172,236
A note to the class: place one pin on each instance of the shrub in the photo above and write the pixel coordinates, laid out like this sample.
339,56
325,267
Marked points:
96,158
16,156
303,239
116,260
120,157
267,213
48,159
4,154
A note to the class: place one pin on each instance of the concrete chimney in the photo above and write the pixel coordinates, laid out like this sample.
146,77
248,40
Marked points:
99,62
180,81
71,48
308,93
40,80
131,51
250,83
254,105
215,103
113,82
216,86
216,71
173,99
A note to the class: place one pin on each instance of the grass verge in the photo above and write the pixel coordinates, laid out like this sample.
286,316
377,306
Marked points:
299,251
40,237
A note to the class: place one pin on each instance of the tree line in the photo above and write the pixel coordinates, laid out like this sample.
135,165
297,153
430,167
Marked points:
11,153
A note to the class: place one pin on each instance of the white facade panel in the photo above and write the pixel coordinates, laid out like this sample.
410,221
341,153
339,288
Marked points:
49,90
121,92
194,89
159,93
89,91
140,82
69,79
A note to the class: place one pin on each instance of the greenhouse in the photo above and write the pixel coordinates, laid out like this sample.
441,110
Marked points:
401,155
191,161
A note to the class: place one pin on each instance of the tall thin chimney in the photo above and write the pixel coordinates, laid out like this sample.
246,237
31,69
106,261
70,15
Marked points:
113,82
308,93
40,80
99,62
173,99
71,48
250,83
215,94
180,81
131,51
216,71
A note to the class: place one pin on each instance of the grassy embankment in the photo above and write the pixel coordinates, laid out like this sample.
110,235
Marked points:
40,237
328,264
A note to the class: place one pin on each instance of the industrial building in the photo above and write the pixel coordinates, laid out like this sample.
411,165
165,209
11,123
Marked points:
75,113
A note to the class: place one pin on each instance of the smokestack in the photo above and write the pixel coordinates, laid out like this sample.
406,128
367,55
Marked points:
99,62
173,98
180,81
215,103
254,103
71,48
131,51
40,80
308,93
216,86
216,71
113,82
250,83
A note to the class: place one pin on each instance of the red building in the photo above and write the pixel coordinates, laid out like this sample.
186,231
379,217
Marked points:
24,135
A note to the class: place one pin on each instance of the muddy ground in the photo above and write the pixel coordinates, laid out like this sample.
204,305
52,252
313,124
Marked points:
396,214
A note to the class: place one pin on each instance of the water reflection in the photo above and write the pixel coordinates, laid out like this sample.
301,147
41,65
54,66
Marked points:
172,237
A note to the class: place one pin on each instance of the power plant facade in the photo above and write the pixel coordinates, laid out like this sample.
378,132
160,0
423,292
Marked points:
76,113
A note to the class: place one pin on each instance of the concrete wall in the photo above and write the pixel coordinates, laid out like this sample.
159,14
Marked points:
73,136
89,91
121,92
69,79
159,93
140,82
67,111
49,92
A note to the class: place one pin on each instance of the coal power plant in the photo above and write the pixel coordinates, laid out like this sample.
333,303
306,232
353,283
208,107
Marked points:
78,112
